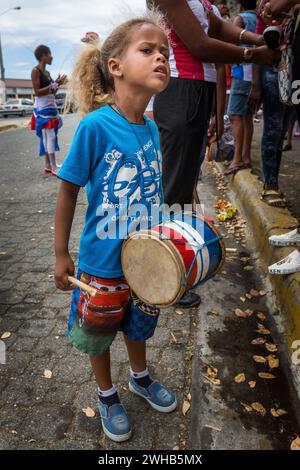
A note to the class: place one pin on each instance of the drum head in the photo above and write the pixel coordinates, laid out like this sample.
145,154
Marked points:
152,269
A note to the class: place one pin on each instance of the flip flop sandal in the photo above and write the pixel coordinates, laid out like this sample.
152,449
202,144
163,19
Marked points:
273,198
234,169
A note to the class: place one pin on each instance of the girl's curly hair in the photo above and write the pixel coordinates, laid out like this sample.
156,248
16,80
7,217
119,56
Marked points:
91,86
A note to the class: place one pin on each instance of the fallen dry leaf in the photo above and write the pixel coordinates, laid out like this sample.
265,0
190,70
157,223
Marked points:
47,374
259,408
213,312
231,250
185,407
179,312
189,396
212,371
254,293
247,407
214,428
259,359
266,375
240,378
262,330
261,316
278,412
88,412
173,337
248,268
262,293
243,313
252,383
295,445
212,380
243,299
271,347
273,361
258,341
176,448
249,296
6,334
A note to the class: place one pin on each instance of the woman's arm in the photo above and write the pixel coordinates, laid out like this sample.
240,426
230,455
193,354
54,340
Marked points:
221,97
64,214
203,47
231,32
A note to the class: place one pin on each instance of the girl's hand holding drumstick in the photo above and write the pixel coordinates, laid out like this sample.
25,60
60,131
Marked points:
64,280
64,267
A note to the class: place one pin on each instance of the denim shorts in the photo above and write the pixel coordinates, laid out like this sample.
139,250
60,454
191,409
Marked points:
95,321
238,100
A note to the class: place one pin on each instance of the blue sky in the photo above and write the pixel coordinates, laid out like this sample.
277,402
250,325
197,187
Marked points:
59,24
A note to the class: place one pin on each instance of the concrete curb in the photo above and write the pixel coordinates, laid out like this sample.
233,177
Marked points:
264,221
8,127
14,125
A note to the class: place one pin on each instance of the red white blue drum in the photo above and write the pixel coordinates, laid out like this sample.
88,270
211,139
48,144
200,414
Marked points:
161,263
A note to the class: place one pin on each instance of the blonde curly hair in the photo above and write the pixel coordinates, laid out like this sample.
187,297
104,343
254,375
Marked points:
91,86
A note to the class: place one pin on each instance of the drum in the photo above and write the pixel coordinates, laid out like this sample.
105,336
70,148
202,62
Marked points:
159,264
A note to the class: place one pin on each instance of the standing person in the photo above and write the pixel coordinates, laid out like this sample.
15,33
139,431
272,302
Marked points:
291,263
182,111
265,89
116,152
241,115
45,119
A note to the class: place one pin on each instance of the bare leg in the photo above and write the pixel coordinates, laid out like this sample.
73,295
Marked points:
101,369
238,135
47,162
53,162
136,353
248,135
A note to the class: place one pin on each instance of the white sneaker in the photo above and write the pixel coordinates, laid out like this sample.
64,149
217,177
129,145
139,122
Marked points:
288,265
286,239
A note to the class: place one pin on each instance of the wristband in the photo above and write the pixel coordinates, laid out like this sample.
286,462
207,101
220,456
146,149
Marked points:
242,34
53,86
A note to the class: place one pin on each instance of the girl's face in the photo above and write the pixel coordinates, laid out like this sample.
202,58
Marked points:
145,64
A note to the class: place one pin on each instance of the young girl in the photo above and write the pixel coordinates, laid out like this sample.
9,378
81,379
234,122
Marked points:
45,119
116,152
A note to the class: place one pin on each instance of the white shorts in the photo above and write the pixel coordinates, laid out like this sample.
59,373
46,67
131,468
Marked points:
49,140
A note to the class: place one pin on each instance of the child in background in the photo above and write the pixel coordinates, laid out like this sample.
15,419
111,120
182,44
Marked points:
116,152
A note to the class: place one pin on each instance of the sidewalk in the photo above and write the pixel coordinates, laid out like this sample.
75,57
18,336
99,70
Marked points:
13,123
264,221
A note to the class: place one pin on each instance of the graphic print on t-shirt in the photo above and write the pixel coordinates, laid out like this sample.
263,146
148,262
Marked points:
130,178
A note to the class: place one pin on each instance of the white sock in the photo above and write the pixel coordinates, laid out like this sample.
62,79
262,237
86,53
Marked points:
107,393
139,375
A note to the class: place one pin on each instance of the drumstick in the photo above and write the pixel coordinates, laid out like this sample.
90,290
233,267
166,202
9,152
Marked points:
93,292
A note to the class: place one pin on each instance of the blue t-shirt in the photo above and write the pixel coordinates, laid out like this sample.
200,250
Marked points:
120,163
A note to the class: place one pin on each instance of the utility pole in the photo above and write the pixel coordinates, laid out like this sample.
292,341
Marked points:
2,69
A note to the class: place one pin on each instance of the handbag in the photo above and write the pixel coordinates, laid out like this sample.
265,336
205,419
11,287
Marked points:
285,67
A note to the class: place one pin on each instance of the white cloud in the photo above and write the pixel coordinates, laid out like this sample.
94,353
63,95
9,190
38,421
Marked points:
22,64
54,21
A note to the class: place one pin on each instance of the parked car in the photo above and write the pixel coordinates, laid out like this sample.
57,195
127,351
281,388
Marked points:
61,103
20,106
60,99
